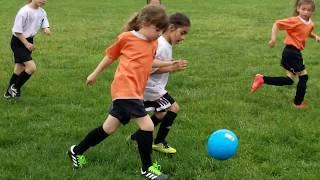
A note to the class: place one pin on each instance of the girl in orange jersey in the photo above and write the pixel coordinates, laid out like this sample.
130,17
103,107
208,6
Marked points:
299,28
135,49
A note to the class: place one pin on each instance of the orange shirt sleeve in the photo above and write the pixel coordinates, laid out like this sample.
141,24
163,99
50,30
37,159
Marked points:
114,51
289,23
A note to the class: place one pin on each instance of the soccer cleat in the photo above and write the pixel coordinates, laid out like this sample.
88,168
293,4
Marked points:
257,83
154,173
12,91
77,160
164,148
7,95
303,105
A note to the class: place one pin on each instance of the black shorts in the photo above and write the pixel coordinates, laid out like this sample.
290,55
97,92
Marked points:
159,105
20,52
125,109
292,59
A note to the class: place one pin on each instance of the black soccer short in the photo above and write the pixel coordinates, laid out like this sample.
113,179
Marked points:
159,105
20,52
125,109
292,59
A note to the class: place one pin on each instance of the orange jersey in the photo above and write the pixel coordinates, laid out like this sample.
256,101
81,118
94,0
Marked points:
297,31
136,55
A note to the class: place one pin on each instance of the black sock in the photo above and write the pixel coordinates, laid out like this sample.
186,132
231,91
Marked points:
13,79
23,78
93,138
278,81
165,126
155,121
144,140
301,89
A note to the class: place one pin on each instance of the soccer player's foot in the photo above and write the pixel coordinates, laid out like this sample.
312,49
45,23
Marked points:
154,173
257,83
13,91
77,160
164,148
303,105
7,95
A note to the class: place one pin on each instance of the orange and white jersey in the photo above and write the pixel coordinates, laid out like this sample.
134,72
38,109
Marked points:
136,55
298,30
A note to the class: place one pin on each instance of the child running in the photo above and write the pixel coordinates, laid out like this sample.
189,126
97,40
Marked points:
135,49
299,28
29,20
156,97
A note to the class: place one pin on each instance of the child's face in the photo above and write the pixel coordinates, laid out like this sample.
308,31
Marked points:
177,35
305,11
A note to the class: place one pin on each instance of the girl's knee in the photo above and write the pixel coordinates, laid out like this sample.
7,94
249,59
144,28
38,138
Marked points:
31,70
175,107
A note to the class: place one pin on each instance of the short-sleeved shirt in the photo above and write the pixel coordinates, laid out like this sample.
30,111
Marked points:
298,30
28,21
157,82
136,55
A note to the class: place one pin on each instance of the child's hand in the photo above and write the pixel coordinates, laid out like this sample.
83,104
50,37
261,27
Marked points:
91,79
179,65
47,31
272,43
317,38
30,46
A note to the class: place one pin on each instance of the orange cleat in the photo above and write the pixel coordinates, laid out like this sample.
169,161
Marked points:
257,83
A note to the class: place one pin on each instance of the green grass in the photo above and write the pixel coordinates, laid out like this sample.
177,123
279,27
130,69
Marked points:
226,46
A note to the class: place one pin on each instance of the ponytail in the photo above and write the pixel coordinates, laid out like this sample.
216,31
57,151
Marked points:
295,12
132,24
151,15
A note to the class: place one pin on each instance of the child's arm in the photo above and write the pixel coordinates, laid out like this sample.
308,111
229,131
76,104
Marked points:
314,36
26,43
274,33
176,65
158,63
105,62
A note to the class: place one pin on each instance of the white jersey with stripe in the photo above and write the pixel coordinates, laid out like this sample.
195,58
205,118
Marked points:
156,84
28,21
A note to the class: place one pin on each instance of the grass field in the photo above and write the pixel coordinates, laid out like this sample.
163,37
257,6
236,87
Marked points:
226,46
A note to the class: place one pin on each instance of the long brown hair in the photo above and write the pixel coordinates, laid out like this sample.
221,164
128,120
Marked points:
150,14
298,3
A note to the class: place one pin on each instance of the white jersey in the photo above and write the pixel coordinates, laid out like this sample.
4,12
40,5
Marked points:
28,21
156,84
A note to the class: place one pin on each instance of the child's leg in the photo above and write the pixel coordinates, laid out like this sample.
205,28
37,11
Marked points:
155,119
30,68
166,123
279,81
301,87
97,135
144,140
18,69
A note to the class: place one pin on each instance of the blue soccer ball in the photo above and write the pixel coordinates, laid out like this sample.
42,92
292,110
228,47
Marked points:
222,144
